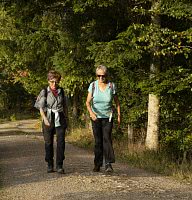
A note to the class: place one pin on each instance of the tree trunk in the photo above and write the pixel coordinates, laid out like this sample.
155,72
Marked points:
75,107
152,141
130,134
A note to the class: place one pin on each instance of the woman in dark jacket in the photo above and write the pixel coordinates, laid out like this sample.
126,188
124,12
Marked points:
53,109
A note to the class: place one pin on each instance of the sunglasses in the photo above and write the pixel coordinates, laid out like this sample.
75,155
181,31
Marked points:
102,76
56,82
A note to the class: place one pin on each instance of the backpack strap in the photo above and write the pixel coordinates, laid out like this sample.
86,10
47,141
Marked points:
63,96
45,92
93,88
45,95
62,93
111,86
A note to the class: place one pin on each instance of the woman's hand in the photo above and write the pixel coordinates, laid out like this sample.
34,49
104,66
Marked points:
46,121
93,116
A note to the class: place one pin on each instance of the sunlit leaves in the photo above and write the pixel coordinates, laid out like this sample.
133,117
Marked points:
178,9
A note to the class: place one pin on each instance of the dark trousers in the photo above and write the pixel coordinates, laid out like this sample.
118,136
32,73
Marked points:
48,133
102,131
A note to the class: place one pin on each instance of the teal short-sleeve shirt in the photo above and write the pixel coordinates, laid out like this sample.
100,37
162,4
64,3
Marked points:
102,100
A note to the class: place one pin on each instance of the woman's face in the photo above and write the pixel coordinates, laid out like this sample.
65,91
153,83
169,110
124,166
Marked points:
53,83
101,76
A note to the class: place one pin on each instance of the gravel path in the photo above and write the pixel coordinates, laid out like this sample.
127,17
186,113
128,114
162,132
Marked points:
24,177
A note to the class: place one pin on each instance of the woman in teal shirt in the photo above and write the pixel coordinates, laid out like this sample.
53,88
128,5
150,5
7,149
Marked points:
99,104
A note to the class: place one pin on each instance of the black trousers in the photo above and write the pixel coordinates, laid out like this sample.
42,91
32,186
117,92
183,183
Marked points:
48,133
102,131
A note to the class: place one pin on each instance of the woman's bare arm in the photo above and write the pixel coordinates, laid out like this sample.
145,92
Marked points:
118,109
88,104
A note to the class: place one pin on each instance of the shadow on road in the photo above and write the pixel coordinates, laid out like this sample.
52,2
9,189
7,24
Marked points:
22,161
23,173
13,132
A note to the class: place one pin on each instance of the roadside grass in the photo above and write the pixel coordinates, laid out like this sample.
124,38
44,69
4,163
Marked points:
12,115
136,155
80,137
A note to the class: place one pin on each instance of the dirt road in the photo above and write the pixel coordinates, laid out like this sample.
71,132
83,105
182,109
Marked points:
24,177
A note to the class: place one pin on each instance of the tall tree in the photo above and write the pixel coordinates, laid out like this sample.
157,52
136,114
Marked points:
152,138
138,48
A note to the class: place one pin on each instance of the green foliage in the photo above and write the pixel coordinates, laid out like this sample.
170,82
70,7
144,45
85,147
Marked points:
129,56
75,36
178,9
13,117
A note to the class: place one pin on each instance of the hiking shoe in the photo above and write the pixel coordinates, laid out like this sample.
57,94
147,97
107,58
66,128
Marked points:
49,168
60,170
96,168
108,168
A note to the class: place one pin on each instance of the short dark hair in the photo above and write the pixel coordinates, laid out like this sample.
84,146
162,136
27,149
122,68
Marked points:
52,74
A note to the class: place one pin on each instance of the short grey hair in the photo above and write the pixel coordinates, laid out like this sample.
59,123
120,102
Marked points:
102,67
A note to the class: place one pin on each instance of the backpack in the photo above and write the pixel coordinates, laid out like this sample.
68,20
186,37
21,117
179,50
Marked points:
37,105
93,87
